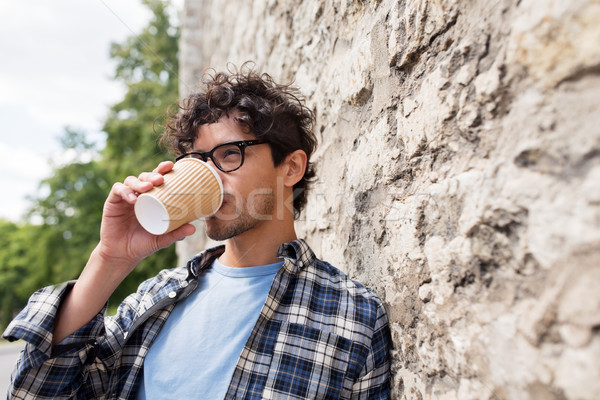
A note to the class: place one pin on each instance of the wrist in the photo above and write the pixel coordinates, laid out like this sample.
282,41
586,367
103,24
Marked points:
105,268
106,257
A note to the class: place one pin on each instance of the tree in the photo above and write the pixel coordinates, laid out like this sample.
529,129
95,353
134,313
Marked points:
148,65
70,209
15,266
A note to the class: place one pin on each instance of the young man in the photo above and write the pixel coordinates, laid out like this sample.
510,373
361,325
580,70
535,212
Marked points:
260,317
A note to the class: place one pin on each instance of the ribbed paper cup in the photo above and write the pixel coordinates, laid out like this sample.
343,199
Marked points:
191,190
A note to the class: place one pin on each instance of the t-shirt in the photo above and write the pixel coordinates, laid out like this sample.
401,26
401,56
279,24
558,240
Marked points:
196,351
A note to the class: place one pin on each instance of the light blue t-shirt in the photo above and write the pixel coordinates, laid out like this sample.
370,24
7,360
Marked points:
196,351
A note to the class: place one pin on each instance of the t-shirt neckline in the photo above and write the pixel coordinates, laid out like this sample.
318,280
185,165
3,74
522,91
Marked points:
246,272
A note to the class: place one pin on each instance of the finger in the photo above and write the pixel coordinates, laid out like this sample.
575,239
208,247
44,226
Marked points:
120,192
137,185
184,231
153,177
178,234
163,167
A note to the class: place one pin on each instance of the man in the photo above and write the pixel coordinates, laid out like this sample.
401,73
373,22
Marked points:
260,317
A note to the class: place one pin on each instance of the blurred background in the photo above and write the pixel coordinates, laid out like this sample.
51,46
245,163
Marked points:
458,162
80,86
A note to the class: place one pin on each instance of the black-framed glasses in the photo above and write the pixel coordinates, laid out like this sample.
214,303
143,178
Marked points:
227,156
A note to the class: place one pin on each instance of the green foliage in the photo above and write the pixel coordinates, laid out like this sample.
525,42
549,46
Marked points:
16,265
71,215
70,209
148,65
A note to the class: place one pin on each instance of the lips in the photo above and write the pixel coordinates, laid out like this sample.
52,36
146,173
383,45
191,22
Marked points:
228,198
227,203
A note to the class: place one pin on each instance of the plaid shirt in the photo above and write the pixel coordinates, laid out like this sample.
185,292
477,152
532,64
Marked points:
319,336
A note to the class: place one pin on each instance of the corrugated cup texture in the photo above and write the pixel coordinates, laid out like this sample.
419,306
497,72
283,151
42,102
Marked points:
191,190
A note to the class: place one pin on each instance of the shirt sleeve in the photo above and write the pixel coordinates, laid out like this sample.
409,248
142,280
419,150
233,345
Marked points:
44,371
375,381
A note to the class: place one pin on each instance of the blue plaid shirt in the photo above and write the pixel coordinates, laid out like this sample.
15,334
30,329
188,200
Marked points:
319,336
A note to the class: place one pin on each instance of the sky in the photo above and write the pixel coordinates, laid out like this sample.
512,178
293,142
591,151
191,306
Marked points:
55,71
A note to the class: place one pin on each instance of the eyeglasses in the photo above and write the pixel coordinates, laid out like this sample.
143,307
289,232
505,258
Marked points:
227,156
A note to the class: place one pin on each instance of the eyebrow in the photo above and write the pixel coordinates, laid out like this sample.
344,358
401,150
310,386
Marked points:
227,142
201,151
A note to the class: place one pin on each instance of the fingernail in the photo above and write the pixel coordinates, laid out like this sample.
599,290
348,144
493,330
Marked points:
131,196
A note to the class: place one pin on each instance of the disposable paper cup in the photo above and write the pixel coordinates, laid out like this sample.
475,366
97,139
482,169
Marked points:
192,190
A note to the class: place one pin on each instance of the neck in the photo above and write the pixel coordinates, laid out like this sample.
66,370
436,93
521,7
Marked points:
257,246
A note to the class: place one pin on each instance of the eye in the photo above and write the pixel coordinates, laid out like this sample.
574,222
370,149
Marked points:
231,152
228,152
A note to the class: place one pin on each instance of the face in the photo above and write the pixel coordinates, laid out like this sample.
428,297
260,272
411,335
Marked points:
250,192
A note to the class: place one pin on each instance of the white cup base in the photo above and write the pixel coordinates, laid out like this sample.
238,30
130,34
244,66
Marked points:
151,214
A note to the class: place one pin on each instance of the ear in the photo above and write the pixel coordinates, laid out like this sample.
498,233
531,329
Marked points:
294,167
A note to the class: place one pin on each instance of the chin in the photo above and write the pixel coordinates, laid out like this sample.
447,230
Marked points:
219,230
222,229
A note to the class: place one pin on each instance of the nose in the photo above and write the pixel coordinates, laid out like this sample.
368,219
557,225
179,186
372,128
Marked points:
211,162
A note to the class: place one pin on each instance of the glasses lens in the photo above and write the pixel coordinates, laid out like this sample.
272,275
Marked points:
228,156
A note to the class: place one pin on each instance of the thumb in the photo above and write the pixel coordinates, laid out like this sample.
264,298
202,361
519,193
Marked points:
178,234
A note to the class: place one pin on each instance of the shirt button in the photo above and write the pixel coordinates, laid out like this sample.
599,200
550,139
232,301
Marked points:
172,295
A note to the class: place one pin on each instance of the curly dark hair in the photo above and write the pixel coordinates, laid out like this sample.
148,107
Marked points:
272,112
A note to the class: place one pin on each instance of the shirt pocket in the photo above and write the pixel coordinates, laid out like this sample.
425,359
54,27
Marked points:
307,363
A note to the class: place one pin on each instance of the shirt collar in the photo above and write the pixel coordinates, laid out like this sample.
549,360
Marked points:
297,255
203,261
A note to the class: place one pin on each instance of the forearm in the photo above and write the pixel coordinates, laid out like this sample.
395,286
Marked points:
123,244
36,371
95,285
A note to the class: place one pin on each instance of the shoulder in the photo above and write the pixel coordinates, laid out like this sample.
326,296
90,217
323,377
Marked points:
323,296
152,290
167,281
329,278
326,280
163,280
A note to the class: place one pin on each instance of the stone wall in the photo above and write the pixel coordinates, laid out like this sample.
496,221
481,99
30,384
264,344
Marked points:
459,167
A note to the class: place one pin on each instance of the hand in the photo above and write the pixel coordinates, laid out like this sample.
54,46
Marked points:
123,244
123,241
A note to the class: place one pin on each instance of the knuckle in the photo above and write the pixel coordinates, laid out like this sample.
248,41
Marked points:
147,176
130,180
117,186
